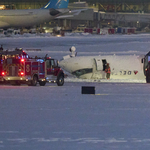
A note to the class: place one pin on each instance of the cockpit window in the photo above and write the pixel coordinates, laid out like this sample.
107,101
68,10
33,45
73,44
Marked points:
82,71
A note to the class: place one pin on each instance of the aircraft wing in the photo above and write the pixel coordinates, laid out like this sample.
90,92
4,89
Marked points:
77,11
64,16
71,13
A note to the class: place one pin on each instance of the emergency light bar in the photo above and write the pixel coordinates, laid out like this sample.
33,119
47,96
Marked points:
3,73
22,60
22,73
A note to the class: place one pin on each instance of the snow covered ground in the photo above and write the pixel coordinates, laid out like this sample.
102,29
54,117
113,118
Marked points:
61,118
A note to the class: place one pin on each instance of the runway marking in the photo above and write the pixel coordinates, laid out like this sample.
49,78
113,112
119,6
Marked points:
51,86
101,94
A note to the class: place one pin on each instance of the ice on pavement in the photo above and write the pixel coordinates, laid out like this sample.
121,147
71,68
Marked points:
52,117
61,118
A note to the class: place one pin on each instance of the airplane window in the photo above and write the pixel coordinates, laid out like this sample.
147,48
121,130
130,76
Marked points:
82,71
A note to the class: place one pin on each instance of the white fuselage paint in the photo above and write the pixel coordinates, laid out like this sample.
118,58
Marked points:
122,67
24,18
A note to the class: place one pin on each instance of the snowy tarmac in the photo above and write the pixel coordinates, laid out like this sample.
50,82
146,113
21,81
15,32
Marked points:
61,118
56,118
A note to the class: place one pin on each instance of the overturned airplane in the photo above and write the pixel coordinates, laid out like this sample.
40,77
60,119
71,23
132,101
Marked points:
93,67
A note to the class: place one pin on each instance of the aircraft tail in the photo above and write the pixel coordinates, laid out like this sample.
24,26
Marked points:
56,4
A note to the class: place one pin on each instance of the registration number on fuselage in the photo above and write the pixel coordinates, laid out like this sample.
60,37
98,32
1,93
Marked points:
124,73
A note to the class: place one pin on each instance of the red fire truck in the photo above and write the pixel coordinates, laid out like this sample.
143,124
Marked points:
18,68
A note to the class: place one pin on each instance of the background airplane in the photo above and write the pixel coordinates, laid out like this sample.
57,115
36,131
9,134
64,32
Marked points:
93,67
31,17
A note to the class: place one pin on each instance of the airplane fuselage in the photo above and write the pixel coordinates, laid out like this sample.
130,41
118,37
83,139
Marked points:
27,17
30,17
93,67
23,18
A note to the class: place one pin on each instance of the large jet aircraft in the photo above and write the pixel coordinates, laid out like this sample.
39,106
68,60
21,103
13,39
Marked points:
31,17
93,67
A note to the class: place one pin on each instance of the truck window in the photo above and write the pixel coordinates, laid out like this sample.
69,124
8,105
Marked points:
146,60
52,62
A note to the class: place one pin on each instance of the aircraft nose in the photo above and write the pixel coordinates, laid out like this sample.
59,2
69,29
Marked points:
63,65
67,65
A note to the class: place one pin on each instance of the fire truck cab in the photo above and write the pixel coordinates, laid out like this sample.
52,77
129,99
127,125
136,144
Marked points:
53,72
18,68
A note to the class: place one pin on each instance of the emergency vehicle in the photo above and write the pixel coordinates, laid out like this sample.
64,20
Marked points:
18,68
146,66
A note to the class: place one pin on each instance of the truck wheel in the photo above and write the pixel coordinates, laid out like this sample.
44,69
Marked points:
60,80
34,81
42,83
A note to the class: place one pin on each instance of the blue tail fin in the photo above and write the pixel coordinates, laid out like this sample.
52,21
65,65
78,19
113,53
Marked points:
56,4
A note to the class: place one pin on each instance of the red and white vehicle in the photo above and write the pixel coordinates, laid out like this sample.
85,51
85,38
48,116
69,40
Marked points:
17,68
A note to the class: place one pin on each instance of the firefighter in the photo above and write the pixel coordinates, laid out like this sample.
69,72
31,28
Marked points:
108,71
